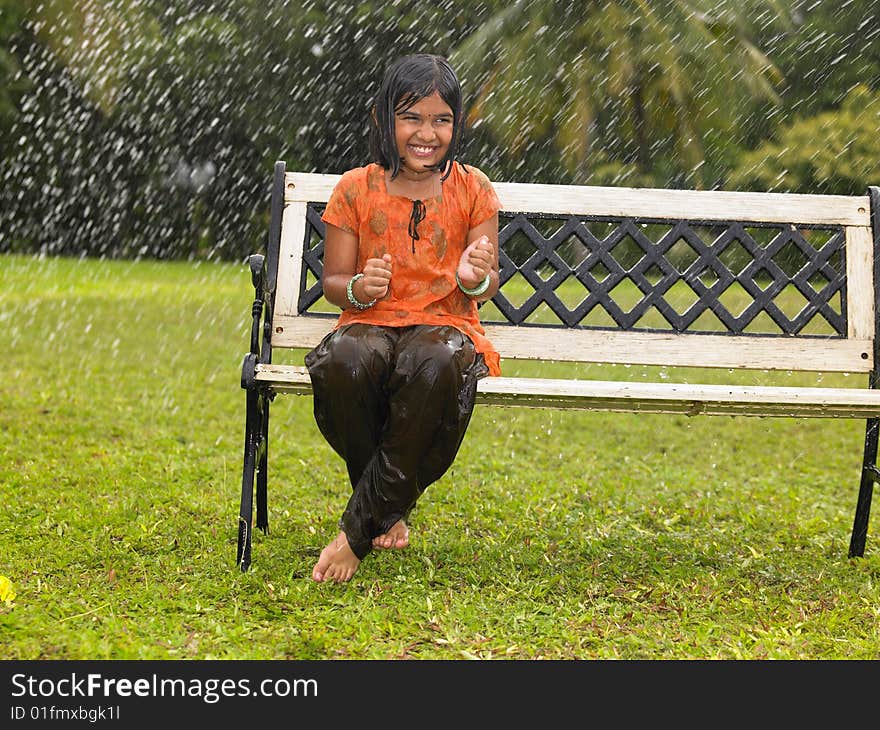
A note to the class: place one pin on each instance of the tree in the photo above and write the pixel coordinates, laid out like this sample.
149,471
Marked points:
834,152
617,92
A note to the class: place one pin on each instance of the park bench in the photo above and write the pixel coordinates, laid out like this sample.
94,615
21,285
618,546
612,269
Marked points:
729,281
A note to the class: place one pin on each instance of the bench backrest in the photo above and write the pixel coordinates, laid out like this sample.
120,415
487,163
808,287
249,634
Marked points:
642,276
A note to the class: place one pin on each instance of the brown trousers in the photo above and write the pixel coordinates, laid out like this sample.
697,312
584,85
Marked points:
394,403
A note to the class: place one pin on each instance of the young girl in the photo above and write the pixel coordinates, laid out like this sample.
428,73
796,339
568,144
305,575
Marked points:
410,249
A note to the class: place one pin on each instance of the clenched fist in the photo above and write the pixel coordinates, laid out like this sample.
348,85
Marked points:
376,278
476,262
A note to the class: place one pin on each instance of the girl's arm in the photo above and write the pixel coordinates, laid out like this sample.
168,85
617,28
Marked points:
340,265
481,258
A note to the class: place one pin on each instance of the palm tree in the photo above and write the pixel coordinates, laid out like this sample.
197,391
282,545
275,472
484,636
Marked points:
625,84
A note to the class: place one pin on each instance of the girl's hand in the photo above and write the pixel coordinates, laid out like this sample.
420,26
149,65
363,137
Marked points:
476,262
376,279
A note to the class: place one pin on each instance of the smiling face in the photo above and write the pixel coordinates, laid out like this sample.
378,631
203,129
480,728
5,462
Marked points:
423,133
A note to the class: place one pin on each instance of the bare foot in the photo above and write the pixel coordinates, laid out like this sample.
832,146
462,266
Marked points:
397,537
337,562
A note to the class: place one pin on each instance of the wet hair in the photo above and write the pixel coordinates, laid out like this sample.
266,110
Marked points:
407,81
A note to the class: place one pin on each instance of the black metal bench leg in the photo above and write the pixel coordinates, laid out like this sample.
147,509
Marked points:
866,490
245,515
262,474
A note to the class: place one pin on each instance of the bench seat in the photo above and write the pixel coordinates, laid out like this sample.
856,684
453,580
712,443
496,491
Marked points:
604,395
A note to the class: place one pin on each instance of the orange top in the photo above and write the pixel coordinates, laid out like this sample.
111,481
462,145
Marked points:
423,288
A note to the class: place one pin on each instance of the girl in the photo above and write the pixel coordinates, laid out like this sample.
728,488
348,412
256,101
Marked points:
410,249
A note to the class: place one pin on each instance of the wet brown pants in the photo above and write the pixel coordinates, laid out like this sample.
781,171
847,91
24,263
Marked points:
394,403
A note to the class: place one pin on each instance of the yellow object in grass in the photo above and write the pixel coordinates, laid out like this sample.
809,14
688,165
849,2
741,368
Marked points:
7,594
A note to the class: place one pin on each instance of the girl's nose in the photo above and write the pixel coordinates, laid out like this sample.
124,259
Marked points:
426,131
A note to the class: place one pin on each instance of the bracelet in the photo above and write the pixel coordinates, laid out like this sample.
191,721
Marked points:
350,293
477,290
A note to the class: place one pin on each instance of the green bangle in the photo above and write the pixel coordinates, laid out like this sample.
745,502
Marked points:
351,296
478,289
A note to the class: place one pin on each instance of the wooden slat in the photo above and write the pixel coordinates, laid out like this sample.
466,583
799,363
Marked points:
285,378
300,331
293,229
688,350
309,187
644,202
686,399
860,283
638,348
688,204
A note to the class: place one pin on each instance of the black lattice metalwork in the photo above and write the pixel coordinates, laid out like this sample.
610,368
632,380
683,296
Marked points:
630,270
313,259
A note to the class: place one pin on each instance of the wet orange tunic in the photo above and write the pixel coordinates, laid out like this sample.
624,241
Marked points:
423,288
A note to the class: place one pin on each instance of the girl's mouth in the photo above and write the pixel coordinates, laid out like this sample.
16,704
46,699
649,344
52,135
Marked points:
421,150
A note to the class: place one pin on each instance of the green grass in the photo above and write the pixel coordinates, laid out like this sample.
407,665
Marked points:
555,535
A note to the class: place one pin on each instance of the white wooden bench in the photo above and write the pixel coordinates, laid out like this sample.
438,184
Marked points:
708,279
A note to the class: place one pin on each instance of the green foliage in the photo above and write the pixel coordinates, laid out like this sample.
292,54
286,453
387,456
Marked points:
152,128
556,535
831,48
149,129
12,85
651,87
832,152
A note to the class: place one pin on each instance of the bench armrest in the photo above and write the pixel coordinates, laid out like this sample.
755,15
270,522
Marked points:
257,263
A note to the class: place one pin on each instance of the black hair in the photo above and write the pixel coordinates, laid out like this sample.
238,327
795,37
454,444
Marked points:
407,81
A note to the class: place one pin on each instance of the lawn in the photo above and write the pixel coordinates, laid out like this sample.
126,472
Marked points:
556,535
